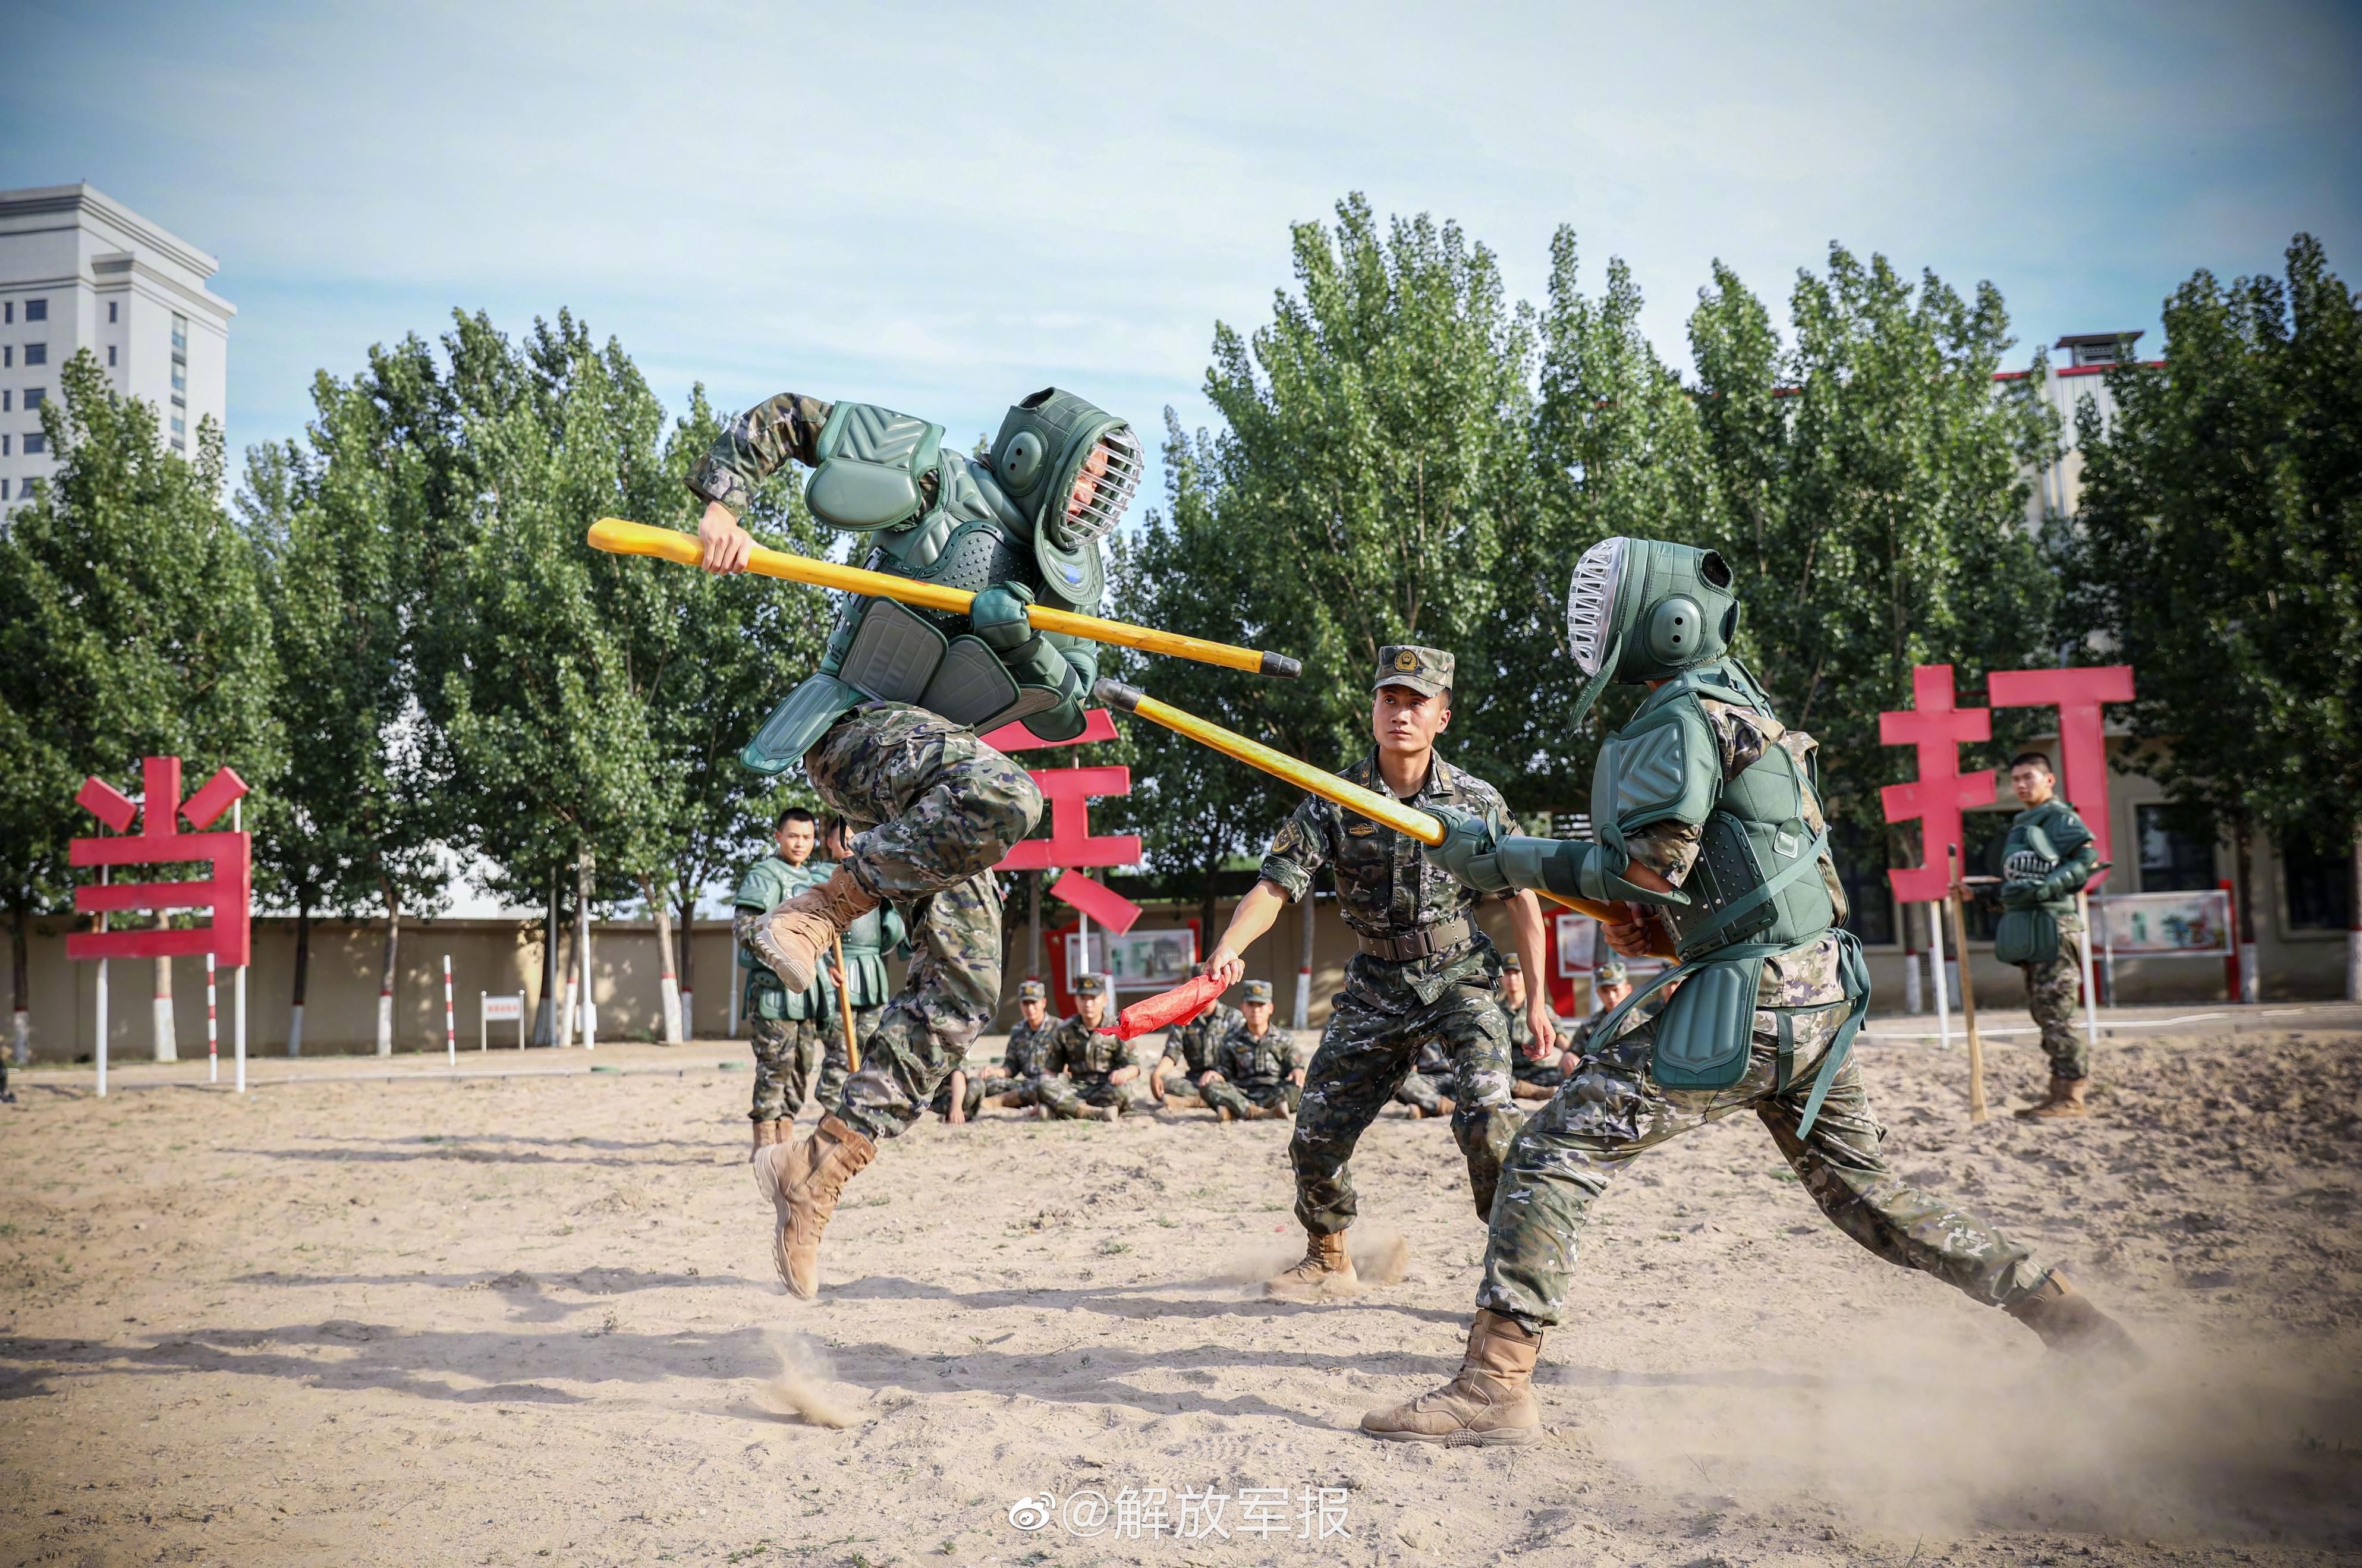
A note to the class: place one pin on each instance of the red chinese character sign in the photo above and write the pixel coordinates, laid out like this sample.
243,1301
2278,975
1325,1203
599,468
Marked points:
1070,844
1936,728
225,892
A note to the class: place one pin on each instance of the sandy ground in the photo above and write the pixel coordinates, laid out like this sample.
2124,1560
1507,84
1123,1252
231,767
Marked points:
533,1320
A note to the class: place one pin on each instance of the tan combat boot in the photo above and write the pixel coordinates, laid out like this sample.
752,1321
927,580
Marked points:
1225,1113
1491,1401
1266,1112
1520,1090
803,1180
765,1135
2066,1320
2066,1099
793,937
1326,1270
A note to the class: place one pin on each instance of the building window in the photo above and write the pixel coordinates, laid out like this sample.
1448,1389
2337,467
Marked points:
7,355
36,354
8,313
34,443
36,310
3,445
180,336
24,489
2176,854
112,306
110,356
35,397
180,376
2319,881
7,401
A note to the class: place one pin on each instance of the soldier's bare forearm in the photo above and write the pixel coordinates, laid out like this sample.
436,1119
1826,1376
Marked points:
1254,917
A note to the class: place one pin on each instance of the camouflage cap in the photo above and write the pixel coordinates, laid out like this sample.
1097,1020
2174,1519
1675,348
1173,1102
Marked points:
1090,985
1426,671
1257,992
1033,990
1512,964
1613,973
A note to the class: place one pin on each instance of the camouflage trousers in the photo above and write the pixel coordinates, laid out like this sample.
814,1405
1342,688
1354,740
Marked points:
1364,1054
938,809
1610,1110
1546,1073
1238,1098
1178,1083
2052,991
1063,1099
1426,1089
786,1054
834,1066
971,1101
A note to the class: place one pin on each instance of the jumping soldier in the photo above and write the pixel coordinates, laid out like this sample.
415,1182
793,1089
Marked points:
1425,971
1705,810
886,729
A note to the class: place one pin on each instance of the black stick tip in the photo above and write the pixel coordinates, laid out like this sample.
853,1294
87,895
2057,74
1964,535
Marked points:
1116,694
1282,666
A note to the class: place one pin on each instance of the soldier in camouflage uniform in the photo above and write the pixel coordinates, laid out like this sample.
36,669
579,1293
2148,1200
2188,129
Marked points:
1704,809
1425,973
886,729
869,942
1099,1067
786,1030
1256,1073
2049,857
1189,1052
1536,1075
1610,984
1027,1060
1426,1087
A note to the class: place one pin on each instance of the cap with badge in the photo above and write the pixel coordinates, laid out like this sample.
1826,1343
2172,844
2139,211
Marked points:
1090,985
1033,990
1613,973
1426,671
1257,992
1512,964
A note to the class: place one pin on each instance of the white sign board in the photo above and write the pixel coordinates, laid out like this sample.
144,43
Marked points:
2193,924
1139,960
503,1009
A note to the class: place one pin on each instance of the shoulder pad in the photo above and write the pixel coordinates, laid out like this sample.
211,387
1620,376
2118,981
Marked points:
1668,769
763,886
870,462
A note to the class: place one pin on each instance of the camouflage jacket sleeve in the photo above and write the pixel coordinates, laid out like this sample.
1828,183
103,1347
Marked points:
1064,1053
1299,849
753,446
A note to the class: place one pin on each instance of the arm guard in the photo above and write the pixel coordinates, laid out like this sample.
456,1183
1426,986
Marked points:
1575,870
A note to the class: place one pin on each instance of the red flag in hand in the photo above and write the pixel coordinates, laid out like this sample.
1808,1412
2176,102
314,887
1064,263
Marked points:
1179,1005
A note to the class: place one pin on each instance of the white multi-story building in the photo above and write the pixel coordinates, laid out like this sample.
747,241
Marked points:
78,270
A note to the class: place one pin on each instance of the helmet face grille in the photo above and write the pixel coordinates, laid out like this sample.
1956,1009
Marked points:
1110,495
1591,603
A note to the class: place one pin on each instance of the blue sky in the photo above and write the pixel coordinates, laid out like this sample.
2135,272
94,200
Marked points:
942,209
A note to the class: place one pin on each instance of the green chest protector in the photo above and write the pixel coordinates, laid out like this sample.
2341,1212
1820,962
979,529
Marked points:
1755,890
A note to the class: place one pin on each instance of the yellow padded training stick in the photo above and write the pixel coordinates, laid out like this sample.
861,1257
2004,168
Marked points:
620,537
1310,779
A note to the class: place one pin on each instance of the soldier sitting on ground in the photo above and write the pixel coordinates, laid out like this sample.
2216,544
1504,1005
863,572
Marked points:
1027,1061
1098,1066
1610,984
1535,1076
1257,1074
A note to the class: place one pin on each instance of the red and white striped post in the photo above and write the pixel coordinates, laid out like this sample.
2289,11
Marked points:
213,1033
450,1040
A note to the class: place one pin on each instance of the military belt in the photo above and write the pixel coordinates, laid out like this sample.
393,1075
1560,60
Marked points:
1438,938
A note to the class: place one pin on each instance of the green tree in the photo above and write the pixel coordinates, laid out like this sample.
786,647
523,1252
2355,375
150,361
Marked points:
343,522
1869,500
130,626
2218,549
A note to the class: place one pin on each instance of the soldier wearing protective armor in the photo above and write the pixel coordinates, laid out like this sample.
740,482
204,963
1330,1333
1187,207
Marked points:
885,730
1256,1073
1189,1051
1425,973
867,942
1706,815
1099,1067
2049,857
786,1029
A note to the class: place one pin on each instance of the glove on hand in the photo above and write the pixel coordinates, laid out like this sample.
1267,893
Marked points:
1469,851
2020,895
997,616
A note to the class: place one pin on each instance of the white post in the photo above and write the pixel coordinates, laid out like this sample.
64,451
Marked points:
738,983
294,1027
2108,951
167,1033
1915,1001
2090,991
100,1054
483,1027
521,1025
1936,966
582,943
237,1031
213,1026
1082,945
1303,965
450,1040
